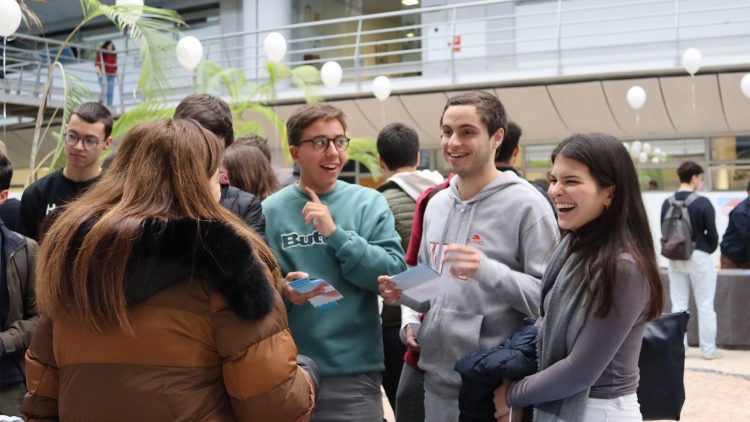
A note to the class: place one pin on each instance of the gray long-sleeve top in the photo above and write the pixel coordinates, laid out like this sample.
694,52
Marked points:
605,355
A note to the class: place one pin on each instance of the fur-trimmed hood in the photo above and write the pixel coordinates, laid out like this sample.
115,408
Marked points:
170,250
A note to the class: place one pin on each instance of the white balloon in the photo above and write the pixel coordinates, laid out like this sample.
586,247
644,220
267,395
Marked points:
132,15
10,17
655,160
275,46
745,85
189,52
691,60
636,97
646,147
657,150
642,157
381,87
331,74
635,148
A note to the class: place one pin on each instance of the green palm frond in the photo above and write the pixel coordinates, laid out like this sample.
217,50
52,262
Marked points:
146,111
30,19
307,79
365,151
155,32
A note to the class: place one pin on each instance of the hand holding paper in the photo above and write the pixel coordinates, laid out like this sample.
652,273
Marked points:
324,296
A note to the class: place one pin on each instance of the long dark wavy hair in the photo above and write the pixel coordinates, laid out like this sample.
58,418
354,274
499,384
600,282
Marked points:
623,227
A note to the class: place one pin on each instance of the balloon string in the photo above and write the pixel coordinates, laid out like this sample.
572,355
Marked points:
382,112
692,90
638,121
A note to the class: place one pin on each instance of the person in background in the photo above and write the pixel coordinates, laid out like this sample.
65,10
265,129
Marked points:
398,151
249,170
18,315
696,274
735,244
10,206
508,152
284,176
602,282
106,71
324,228
87,134
214,114
181,317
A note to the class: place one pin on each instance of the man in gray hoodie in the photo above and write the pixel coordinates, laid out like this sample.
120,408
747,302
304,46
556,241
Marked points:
489,235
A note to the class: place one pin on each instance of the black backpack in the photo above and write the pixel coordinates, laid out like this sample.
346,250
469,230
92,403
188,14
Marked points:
677,230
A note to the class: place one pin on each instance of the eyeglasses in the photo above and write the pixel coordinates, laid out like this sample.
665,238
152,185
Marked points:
320,143
89,142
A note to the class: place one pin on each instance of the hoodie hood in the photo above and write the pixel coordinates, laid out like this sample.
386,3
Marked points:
416,182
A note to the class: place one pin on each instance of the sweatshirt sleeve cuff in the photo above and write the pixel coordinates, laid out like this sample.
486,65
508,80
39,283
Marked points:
489,270
337,238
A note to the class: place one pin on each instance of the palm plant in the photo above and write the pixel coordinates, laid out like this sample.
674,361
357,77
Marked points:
246,96
151,28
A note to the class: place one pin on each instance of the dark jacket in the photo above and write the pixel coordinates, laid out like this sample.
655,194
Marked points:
212,341
246,206
482,372
21,318
735,242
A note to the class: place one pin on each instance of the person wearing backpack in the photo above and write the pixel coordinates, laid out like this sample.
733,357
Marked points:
690,264
735,244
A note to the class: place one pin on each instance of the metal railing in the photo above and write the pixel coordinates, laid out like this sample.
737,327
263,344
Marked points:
438,48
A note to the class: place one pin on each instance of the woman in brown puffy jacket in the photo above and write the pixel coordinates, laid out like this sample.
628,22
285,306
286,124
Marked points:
157,304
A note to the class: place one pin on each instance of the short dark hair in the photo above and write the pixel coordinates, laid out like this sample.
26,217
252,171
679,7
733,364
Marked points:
305,115
398,146
510,143
93,112
687,170
256,141
209,111
6,172
489,108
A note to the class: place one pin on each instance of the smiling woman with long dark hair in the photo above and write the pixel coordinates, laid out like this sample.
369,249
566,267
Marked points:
157,303
599,290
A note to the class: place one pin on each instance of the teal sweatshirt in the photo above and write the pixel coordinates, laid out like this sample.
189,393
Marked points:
346,339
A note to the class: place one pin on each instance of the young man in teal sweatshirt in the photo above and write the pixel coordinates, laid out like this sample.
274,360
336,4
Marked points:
345,235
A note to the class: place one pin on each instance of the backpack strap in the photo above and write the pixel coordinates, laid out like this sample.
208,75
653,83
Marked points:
692,196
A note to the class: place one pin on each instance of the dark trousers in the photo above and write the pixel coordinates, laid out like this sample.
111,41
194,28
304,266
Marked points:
394,360
11,398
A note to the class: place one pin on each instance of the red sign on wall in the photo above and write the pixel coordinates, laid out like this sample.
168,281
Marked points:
456,43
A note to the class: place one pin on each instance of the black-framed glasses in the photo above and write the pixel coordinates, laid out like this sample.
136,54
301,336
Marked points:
320,143
89,142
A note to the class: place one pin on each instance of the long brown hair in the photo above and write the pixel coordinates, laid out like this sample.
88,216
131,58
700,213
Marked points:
621,228
249,170
162,172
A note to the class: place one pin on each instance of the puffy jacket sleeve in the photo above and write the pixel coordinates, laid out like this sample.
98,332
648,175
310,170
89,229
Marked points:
260,368
40,402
